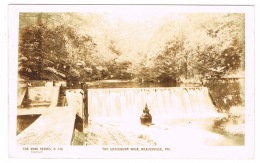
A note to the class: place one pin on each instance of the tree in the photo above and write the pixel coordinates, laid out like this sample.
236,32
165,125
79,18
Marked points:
169,62
216,44
53,52
78,47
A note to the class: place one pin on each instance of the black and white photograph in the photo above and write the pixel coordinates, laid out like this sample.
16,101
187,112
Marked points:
132,81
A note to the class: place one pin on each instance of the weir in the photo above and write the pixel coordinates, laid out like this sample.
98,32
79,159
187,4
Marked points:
126,103
59,111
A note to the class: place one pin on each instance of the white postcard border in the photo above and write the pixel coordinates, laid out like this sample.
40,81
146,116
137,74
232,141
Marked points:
246,151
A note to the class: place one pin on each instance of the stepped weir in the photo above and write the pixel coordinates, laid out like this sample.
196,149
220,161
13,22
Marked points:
127,103
128,106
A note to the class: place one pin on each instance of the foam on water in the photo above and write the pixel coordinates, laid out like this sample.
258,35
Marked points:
167,102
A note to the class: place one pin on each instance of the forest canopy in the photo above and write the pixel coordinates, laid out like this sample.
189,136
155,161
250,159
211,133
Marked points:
174,47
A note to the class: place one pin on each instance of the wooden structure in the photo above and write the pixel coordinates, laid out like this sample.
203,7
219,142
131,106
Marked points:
56,124
54,127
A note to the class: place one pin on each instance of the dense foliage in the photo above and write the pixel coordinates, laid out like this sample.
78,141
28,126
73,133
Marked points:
76,47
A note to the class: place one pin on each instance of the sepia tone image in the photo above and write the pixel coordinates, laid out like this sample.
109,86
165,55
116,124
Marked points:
139,78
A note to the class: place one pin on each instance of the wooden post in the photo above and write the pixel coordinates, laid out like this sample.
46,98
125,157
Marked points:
85,109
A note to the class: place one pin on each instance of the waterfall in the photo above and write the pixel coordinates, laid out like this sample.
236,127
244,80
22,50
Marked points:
164,101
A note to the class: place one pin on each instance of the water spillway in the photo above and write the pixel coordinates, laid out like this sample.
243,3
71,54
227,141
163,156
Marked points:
161,101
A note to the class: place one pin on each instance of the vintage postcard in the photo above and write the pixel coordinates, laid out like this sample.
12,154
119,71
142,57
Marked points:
131,81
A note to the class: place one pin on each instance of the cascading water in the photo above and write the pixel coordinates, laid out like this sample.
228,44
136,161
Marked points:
166,102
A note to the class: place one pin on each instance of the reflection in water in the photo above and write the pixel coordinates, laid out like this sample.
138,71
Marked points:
130,84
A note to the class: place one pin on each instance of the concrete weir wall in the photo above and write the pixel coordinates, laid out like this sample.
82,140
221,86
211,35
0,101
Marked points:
68,118
75,101
40,96
48,96
20,95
